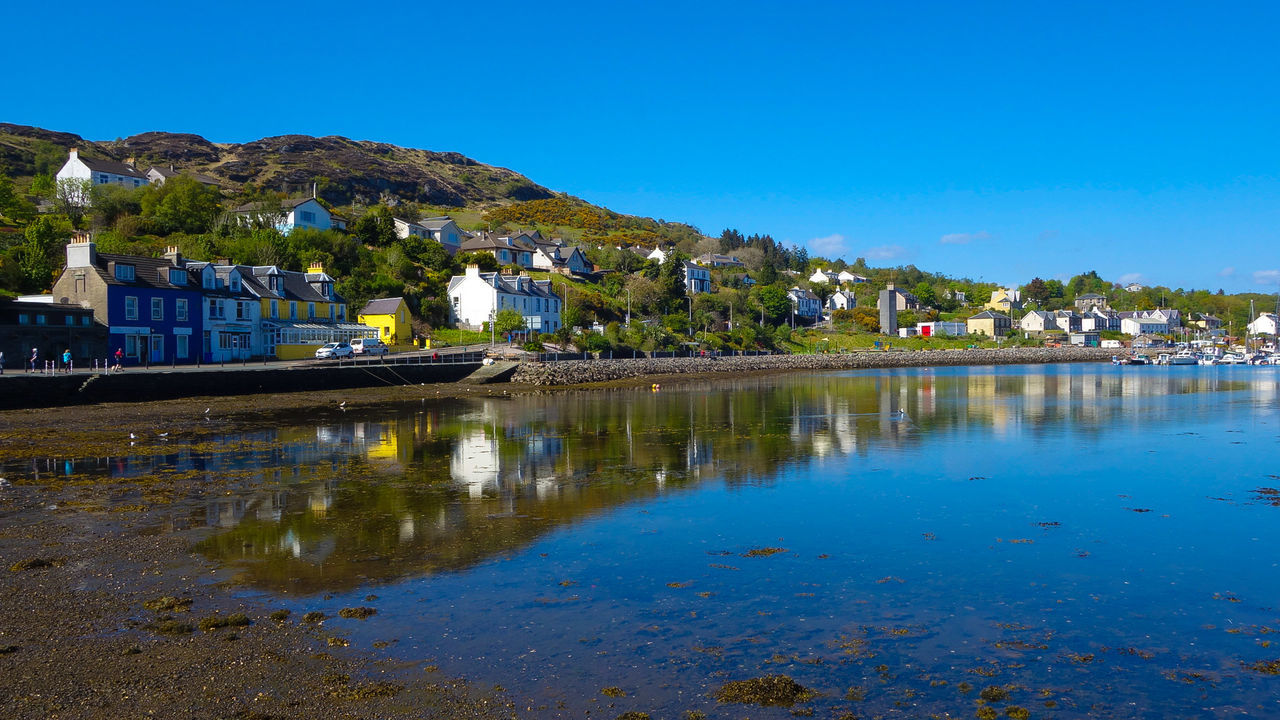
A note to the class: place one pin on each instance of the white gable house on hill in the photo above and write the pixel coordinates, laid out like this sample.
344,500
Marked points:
289,214
100,172
476,297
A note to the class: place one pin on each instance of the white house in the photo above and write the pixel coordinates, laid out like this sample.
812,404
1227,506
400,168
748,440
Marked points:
1067,321
157,175
101,172
842,300
847,277
474,299
806,303
1144,326
697,279
1039,321
716,260
444,231
292,213
658,254
1264,324
1135,287
406,228
548,256
1098,320
824,276
508,249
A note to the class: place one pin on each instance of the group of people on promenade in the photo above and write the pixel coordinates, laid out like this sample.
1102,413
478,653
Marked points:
33,363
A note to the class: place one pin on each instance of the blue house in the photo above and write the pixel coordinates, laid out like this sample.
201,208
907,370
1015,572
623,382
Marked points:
152,306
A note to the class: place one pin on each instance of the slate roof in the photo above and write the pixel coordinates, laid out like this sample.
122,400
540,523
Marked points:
111,166
989,315
382,306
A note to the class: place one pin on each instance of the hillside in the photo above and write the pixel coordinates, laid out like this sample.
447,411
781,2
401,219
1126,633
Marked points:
346,171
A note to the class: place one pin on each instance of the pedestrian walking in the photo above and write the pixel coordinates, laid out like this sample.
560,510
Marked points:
66,361
119,359
1,362
35,358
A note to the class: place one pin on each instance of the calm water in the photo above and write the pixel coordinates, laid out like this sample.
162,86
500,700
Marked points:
1100,541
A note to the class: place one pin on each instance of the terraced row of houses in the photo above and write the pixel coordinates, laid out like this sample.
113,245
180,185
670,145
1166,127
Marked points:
176,310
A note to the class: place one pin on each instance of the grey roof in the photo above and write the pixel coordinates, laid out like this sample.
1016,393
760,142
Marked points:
989,315
489,241
286,204
111,166
382,306
146,272
511,284
435,223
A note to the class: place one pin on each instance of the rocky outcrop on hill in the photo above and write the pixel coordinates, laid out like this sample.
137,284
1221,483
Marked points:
577,372
345,170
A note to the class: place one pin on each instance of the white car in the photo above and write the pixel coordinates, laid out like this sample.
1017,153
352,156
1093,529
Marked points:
333,350
368,346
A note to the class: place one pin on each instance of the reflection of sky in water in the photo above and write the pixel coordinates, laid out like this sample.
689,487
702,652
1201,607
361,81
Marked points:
1086,534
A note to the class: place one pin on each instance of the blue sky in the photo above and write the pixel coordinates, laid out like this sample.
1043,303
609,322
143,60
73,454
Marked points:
995,140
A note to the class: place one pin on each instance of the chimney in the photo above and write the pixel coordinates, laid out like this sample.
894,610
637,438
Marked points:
130,162
316,267
473,270
313,191
222,261
73,154
173,255
81,251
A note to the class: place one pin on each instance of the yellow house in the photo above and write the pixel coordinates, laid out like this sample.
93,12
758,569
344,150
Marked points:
300,311
391,317
1004,301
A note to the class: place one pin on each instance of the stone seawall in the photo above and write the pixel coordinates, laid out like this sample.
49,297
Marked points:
33,391
576,372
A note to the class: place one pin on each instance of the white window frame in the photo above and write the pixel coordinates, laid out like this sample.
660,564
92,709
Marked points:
180,311
130,307
157,309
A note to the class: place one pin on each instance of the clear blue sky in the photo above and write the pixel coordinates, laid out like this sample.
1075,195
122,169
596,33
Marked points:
995,140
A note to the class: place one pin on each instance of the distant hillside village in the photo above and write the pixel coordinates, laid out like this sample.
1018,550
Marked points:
245,274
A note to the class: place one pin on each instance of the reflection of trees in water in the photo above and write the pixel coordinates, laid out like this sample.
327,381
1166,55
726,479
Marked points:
445,487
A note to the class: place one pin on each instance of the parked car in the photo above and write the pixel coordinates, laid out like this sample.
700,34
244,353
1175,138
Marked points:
368,346
333,350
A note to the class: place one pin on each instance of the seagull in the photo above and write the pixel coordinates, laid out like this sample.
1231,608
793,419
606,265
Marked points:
132,436
163,434
206,410
342,404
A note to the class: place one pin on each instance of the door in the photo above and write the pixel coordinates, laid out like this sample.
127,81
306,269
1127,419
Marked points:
157,348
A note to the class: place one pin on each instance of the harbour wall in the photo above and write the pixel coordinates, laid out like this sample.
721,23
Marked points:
576,372
35,391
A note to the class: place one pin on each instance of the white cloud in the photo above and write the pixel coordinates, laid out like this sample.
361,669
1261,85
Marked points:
831,246
964,238
885,252
1267,277
1131,278
1226,272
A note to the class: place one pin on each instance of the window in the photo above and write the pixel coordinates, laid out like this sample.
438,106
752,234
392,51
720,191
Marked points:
293,310
70,319
177,276
308,216
242,310
311,311
24,319
125,273
275,308
86,320
130,306
41,320
157,308
180,311
131,346
180,346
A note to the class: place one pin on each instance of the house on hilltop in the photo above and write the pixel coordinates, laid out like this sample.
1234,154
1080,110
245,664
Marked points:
291,213
100,172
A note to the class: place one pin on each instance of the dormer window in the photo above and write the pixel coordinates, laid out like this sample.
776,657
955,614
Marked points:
177,276
124,273
276,283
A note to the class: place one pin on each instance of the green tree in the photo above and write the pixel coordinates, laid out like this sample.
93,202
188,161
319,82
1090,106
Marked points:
1036,290
776,303
43,186
768,274
485,261
111,202
508,321
71,198
376,227
924,292
38,256
181,204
